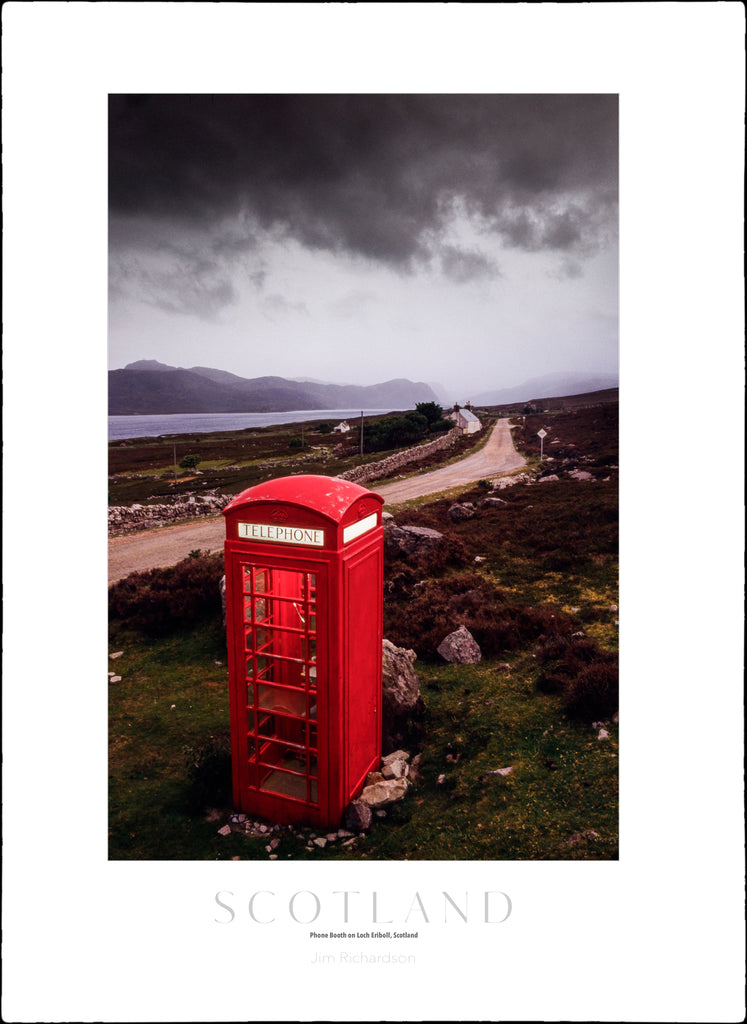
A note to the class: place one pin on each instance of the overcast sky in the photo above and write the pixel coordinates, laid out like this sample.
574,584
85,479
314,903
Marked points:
466,240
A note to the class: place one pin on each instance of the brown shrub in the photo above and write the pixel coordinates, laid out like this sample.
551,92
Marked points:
437,607
161,601
586,676
594,692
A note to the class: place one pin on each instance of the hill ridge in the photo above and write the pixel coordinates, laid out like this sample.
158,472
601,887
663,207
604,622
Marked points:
149,387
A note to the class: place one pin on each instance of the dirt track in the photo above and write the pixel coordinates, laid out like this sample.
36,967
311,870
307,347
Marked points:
168,544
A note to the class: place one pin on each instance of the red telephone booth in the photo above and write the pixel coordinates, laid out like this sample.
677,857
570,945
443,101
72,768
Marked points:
304,583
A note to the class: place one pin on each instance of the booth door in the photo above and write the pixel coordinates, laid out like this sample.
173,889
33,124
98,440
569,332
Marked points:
278,641
362,653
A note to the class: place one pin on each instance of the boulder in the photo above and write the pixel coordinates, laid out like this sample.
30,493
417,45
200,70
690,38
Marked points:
399,679
408,539
491,502
458,513
461,647
402,706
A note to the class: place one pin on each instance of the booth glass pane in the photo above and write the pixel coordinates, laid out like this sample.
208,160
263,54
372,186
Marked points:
283,700
279,640
264,667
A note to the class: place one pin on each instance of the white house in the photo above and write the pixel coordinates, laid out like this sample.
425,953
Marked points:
341,428
465,419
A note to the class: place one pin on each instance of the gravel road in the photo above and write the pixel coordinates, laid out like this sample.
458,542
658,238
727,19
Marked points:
498,456
166,545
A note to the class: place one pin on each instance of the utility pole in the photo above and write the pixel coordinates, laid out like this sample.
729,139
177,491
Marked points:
175,464
361,432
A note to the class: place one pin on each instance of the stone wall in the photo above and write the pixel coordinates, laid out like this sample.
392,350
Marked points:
376,470
126,518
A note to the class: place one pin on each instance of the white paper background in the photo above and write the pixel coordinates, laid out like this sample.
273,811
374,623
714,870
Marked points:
656,936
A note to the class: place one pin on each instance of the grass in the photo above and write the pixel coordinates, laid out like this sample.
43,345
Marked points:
545,597
478,718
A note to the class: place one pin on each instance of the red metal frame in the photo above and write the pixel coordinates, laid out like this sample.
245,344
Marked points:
304,581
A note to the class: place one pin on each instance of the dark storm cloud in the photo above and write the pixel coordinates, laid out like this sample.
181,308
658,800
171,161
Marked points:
277,305
461,266
371,175
172,279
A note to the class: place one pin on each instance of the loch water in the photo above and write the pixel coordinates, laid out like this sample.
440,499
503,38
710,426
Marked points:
123,427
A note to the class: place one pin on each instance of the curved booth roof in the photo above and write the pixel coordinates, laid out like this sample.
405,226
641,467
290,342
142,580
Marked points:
326,495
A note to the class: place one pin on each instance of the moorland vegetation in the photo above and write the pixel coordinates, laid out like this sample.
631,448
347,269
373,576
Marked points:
533,577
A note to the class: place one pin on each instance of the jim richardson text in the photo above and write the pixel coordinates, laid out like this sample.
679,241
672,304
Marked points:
344,957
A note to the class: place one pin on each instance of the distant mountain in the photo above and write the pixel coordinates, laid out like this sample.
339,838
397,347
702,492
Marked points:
149,364
309,380
550,385
150,387
441,393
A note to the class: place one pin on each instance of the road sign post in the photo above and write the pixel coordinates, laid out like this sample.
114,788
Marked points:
542,434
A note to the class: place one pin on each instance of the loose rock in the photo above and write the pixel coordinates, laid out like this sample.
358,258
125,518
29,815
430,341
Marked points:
461,647
579,837
396,755
356,817
396,769
381,794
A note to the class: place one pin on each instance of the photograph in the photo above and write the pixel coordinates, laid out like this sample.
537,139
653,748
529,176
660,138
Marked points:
363,476
316,324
